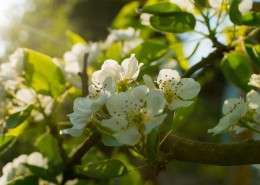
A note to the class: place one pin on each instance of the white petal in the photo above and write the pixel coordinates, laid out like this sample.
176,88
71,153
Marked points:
131,67
78,119
26,95
152,123
216,4
155,103
253,99
179,103
108,85
189,88
72,131
117,105
245,6
112,64
16,60
167,75
140,92
236,107
115,124
148,82
129,136
254,80
98,103
82,105
222,126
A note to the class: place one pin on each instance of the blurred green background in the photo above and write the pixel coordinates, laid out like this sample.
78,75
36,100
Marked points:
43,28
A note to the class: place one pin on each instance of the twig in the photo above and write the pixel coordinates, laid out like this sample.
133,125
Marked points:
91,141
210,59
84,77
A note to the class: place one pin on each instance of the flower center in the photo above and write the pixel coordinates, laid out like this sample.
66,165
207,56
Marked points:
137,119
122,86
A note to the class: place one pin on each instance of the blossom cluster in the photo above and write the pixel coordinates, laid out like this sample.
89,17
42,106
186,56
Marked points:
16,168
15,95
240,113
72,62
127,112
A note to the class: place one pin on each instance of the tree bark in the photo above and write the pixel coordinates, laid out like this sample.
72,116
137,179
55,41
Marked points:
182,149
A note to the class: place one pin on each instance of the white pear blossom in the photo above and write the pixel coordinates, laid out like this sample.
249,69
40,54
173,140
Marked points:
178,91
238,112
25,96
16,168
121,35
254,80
17,61
8,76
134,114
145,19
233,110
253,100
86,108
245,6
128,37
126,73
74,60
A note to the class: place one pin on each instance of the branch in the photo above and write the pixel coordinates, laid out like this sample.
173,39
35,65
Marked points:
84,77
181,149
210,59
91,141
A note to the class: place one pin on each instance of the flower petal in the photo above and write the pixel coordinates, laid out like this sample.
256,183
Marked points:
253,99
114,123
117,105
245,6
78,119
72,131
155,103
179,103
188,88
140,92
254,80
129,136
148,82
222,126
152,123
168,75
236,107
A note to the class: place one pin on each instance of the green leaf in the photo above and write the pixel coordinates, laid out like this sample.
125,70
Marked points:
17,118
234,13
177,22
152,144
5,142
106,169
127,16
42,74
113,51
160,8
149,51
237,69
251,19
42,172
181,115
75,38
24,180
253,50
48,146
